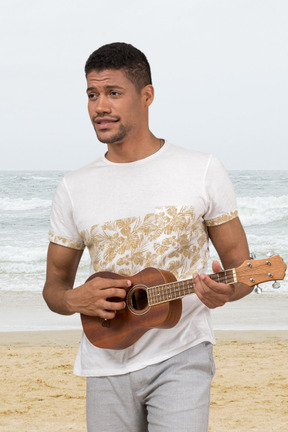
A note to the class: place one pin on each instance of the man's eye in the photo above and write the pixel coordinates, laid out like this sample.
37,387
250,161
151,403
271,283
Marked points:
92,96
114,93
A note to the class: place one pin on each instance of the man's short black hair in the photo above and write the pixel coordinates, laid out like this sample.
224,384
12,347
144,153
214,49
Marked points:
120,55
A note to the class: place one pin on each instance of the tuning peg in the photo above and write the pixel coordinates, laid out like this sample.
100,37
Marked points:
252,256
257,289
276,285
270,254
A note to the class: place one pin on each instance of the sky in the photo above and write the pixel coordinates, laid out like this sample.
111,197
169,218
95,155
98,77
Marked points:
219,68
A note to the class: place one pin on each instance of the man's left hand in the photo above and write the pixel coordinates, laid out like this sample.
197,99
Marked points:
212,294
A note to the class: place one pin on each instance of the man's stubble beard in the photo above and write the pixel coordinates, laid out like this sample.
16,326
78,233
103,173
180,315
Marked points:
117,137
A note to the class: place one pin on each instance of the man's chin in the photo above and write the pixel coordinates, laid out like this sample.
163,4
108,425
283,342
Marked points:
102,140
110,139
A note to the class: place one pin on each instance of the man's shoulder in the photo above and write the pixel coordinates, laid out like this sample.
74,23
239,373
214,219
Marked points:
183,152
79,174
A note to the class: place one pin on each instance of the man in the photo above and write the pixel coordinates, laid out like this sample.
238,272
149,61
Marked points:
145,203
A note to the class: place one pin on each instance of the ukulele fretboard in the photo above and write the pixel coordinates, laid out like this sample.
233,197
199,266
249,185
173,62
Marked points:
179,289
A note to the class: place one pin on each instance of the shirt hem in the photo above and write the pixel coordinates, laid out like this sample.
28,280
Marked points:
62,241
138,366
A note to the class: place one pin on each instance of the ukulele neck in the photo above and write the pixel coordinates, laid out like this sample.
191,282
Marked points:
179,289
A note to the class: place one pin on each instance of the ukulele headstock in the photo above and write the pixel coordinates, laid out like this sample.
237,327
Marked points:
253,272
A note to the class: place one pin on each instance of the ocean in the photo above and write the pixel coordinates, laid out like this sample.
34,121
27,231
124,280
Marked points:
25,200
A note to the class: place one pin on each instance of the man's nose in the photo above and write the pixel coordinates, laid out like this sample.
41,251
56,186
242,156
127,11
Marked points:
102,105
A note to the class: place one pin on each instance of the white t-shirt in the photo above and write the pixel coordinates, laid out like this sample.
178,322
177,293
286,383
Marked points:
150,213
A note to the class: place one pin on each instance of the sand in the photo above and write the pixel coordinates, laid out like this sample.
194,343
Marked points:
39,392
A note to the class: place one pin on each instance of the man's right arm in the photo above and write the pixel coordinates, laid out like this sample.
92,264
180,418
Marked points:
91,298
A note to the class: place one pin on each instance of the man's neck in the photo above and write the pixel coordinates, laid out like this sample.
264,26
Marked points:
125,152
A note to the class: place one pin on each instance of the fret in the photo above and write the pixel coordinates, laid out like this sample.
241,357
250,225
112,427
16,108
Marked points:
183,285
159,294
191,286
173,286
168,292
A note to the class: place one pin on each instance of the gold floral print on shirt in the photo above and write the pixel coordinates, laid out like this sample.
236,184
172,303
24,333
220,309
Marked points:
171,238
65,242
222,219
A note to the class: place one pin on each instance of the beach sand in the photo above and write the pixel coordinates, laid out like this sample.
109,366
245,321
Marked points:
39,392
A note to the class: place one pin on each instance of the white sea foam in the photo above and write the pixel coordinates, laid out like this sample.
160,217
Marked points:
38,178
20,204
23,254
263,210
23,268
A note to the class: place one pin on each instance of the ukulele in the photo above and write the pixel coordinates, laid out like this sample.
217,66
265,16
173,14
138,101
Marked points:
154,300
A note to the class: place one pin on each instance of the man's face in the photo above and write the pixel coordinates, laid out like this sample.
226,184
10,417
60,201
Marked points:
115,106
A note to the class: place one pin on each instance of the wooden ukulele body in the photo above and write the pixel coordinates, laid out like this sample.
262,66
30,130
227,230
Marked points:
138,317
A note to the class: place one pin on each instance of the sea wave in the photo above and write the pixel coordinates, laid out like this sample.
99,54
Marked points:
23,268
20,254
20,204
34,177
263,210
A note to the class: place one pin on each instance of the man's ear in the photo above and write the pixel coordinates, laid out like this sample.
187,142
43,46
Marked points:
148,95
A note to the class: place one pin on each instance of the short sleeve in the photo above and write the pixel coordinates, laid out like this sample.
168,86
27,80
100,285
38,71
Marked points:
221,196
63,230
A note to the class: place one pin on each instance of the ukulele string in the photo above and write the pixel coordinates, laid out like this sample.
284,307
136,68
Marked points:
179,289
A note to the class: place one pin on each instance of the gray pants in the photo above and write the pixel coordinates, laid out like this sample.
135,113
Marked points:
173,396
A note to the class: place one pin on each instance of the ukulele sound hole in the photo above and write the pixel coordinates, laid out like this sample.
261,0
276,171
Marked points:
137,300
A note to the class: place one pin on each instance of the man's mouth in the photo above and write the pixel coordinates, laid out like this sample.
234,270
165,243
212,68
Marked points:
105,122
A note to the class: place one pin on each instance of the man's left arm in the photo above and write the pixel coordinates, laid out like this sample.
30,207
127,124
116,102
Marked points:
229,240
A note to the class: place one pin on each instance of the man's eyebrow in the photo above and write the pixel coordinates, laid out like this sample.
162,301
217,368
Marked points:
108,87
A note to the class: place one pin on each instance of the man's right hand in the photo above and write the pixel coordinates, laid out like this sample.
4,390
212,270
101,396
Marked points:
92,298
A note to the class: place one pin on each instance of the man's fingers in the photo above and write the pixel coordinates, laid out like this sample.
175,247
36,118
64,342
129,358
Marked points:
113,292
114,305
211,293
216,267
104,283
